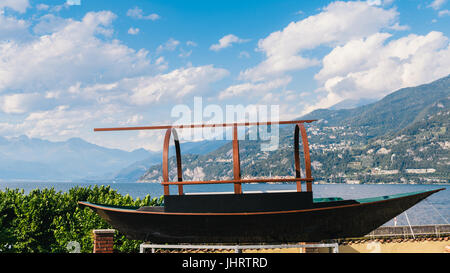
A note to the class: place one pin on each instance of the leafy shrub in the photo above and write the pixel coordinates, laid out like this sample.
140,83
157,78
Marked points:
45,221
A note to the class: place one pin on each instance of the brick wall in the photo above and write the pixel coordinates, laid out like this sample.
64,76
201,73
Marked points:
103,240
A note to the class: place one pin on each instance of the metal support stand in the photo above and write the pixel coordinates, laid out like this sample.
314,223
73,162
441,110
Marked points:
237,248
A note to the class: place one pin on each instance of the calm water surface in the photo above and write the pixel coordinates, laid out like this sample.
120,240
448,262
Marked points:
434,210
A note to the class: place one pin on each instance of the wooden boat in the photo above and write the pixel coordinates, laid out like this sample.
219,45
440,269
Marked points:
251,217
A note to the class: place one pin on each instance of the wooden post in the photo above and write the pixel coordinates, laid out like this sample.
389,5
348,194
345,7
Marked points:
306,154
236,161
103,240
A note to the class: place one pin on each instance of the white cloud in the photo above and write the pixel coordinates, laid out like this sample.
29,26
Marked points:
70,76
73,2
444,12
60,7
184,53
437,4
379,2
191,43
227,41
42,7
12,28
133,120
364,61
338,23
170,45
174,85
82,107
18,103
399,27
161,63
17,5
54,123
374,2
62,120
138,13
255,90
142,91
133,31
74,49
244,54
344,59
373,67
50,23
97,72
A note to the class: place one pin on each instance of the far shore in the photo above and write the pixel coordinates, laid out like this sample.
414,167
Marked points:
333,183
157,182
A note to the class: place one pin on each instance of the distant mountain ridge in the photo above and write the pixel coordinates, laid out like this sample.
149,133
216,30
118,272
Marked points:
351,103
400,138
391,113
36,159
33,159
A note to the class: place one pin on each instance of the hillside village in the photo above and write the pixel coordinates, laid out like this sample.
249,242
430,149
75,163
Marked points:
350,146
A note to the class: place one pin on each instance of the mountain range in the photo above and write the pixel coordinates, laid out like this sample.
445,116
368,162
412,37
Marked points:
402,138
33,159
24,158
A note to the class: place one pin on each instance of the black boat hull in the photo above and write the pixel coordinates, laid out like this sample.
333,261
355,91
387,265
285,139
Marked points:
305,225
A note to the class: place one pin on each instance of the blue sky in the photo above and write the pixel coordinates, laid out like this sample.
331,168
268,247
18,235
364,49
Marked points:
69,66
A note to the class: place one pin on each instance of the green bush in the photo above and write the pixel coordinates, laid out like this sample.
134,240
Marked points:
45,221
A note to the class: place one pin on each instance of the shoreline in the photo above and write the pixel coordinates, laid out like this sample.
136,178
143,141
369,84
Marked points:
326,183
113,181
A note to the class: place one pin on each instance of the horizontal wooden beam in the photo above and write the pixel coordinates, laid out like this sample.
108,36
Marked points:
187,126
265,180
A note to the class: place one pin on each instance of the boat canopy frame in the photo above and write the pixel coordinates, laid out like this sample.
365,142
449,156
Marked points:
237,180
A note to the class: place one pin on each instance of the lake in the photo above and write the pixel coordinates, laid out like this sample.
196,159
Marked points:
434,210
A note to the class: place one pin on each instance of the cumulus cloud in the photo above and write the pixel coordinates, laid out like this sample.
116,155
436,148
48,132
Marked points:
74,76
373,67
42,7
365,59
437,4
379,2
184,53
17,5
250,89
60,121
96,71
227,41
138,13
70,75
244,54
12,28
444,12
170,45
79,108
338,23
145,90
73,2
133,120
173,85
50,23
19,103
191,43
75,49
133,31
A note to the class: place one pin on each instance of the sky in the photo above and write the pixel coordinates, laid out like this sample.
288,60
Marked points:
69,66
